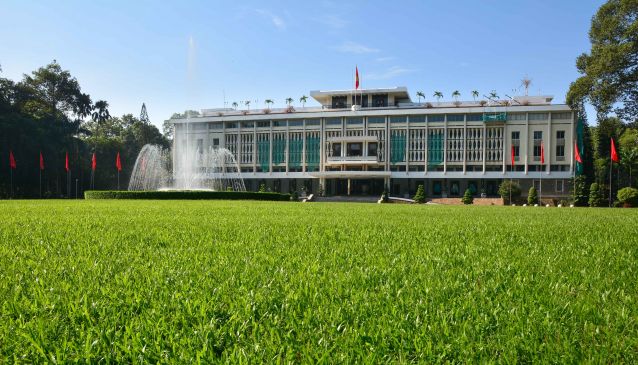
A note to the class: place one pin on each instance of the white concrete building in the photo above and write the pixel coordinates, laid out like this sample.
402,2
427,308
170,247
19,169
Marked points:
385,139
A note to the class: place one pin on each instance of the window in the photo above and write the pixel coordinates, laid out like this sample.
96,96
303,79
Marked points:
231,125
560,186
215,142
339,101
215,126
417,119
562,116
354,120
398,119
312,122
516,116
295,123
376,120
333,121
200,146
560,134
538,116
336,149
560,152
380,100
516,144
455,117
474,117
436,118
278,123
372,149
265,124
538,139
247,124
354,149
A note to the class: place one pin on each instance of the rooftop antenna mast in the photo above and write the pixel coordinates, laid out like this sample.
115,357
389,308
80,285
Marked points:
144,115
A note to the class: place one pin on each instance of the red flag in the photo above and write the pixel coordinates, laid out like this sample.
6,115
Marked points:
614,155
512,156
66,163
356,78
93,162
41,162
542,153
118,163
12,160
577,153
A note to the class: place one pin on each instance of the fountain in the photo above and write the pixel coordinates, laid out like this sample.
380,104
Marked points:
214,169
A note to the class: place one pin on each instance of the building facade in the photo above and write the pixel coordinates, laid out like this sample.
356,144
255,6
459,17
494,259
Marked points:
359,144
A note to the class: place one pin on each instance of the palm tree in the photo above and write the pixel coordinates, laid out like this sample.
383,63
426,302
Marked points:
475,94
438,95
235,105
420,94
303,99
493,94
456,95
247,103
101,111
289,101
268,103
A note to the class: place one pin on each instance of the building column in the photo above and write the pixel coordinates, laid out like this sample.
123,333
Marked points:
348,186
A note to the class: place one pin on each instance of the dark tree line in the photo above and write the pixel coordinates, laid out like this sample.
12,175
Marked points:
47,112
609,82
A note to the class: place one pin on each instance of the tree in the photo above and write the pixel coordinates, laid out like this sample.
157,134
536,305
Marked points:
262,188
580,194
235,105
506,188
438,95
268,103
456,94
419,197
289,101
493,94
595,197
100,111
420,94
247,103
475,94
628,196
303,99
468,198
609,72
532,196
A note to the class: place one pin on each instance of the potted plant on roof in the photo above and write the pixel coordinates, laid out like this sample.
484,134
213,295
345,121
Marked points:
289,109
438,95
420,94
456,95
268,102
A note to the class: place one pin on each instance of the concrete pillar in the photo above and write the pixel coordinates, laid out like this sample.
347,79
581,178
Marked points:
348,186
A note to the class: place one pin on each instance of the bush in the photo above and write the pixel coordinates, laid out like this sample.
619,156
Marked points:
504,191
580,193
262,188
468,198
532,196
628,196
419,197
595,198
294,196
185,195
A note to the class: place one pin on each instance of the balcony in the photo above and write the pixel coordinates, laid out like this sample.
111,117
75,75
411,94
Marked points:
352,160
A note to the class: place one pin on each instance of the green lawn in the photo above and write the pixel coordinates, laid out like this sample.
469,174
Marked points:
263,282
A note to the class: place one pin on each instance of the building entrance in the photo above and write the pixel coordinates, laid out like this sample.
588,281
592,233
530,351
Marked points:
357,186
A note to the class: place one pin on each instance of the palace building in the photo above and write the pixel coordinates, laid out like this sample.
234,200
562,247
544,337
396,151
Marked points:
359,144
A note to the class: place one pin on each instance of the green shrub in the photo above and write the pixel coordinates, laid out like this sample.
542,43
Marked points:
628,196
468,198
595,197
580,193
419,197
185,195
504,191
262,188
294,196
532,196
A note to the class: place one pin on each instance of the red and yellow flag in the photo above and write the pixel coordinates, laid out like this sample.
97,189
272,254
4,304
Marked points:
356,77
542,153
12,160
577,153
118,162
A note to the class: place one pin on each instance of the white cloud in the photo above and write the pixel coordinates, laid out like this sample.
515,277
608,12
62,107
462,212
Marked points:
276,20
385,59
352,47
333,21
390,73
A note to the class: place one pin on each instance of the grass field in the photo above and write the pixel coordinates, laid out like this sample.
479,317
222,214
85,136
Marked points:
263,282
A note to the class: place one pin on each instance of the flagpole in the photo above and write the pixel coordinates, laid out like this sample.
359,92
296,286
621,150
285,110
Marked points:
40,183
611,165
11,173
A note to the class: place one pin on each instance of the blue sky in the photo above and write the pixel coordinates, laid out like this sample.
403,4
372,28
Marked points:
189,54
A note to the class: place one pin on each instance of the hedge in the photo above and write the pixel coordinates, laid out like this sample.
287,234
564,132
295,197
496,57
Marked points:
185,195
